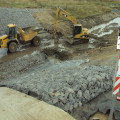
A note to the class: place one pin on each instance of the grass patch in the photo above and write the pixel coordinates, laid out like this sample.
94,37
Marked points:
78,8
17,3
12,5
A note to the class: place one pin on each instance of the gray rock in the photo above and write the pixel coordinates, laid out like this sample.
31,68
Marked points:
89,78
54,101
102,85
69,90
61,105
80,103
117,114
67,107
71,80
76,105
71,99
90,84
98,77
84,118
79,94
76,88
71,108
86,94
62,99
83,87
94,80
55,83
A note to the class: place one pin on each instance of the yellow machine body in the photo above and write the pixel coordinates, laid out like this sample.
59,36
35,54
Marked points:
3,41
5,38
28,34
84,33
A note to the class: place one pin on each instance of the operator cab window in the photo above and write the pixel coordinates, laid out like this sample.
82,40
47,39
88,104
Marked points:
77,30
11,32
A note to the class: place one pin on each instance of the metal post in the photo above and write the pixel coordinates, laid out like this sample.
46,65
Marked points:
113,96
112,108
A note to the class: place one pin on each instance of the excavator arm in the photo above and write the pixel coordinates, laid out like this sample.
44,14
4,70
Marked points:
64,13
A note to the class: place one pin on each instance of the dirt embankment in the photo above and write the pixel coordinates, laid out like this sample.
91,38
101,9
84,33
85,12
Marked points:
99,19
45,18
65,28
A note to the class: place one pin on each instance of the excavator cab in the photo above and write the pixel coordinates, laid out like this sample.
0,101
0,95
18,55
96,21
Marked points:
77,29
11,31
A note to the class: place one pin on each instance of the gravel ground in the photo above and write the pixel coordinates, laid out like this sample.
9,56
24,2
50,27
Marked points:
20,17
20,65
67,85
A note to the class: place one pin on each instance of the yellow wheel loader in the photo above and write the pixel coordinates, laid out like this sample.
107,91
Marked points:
80,34
13,38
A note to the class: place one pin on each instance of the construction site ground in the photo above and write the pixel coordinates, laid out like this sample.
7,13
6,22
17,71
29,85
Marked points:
60,75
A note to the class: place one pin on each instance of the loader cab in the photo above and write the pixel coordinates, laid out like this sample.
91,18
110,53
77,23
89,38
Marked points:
11,31
77,29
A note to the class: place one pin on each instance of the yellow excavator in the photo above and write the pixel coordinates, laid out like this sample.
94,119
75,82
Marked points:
13,38
80,34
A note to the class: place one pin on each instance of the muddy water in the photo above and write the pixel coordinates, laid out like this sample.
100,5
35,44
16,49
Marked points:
3,52
100,32
105,29
4,56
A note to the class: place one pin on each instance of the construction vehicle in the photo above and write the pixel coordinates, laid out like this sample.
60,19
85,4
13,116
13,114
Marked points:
80,34
13,37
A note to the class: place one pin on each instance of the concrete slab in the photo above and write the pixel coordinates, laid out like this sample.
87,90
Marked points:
19,106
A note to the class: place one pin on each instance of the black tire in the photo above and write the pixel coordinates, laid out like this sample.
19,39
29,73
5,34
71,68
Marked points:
36,41
12,47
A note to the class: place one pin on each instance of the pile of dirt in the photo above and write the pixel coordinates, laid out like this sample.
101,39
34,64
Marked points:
96,20
45,18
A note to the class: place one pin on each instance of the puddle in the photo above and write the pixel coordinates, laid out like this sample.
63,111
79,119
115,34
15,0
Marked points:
53,59
21,49
91,46
3,52
101,29
47,43
92,40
